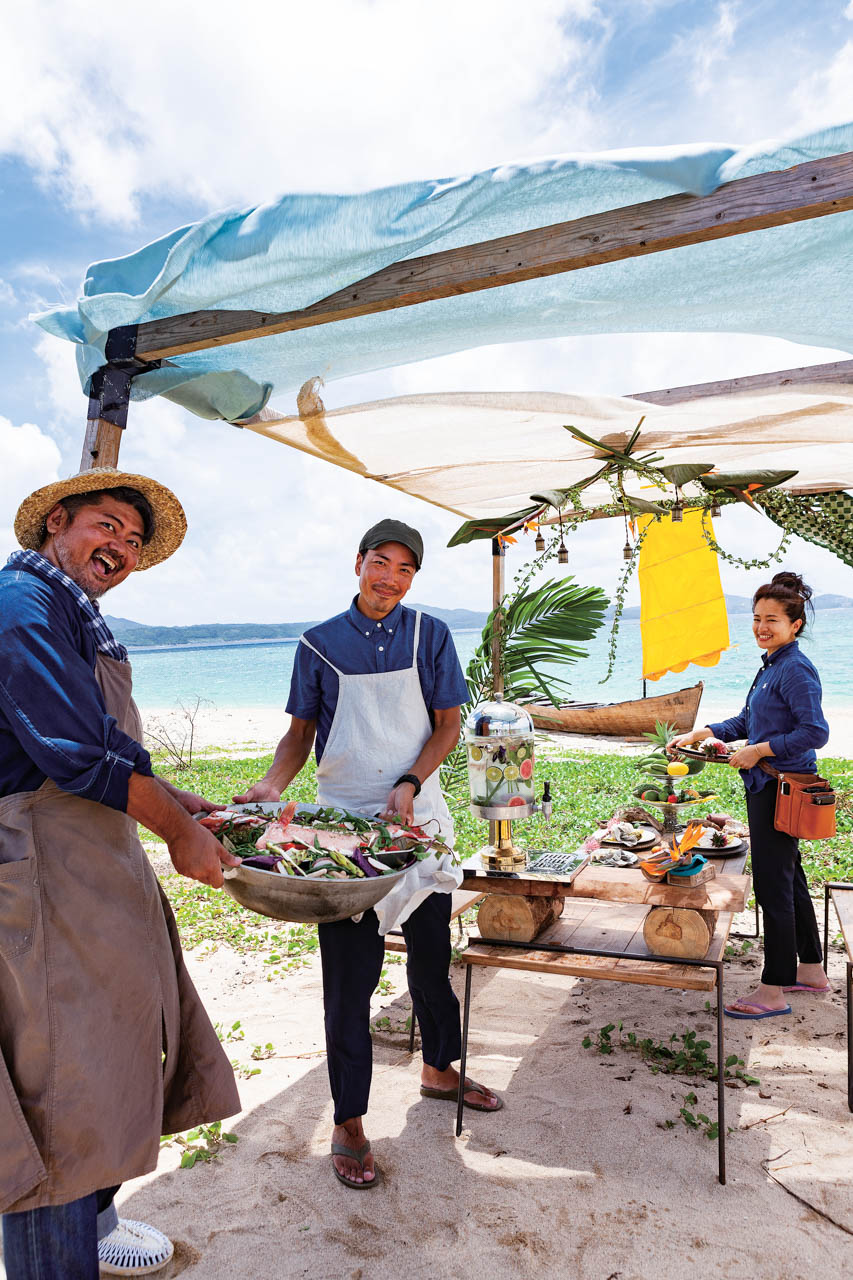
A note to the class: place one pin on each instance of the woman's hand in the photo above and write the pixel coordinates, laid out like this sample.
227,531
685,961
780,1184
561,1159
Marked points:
747,757
686,740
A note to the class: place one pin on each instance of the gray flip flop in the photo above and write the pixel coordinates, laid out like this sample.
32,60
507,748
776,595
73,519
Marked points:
452,1095
338,1149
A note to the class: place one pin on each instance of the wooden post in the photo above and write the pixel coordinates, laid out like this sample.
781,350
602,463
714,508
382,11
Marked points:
498,563
109,397
100,444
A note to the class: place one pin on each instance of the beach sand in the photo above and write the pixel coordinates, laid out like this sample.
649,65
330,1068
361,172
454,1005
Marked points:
258,729
588,1172
580,1175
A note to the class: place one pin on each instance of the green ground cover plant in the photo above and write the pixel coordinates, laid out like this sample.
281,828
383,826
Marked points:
585,788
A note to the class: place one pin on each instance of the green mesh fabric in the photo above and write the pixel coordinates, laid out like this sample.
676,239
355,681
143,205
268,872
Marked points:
826,519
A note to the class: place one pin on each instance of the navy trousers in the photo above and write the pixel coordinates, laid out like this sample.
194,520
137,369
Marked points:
790,926
352,957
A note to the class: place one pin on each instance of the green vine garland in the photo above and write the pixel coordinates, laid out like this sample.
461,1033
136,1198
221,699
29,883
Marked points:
775,556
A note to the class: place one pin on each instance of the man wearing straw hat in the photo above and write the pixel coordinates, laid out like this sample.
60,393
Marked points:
104,1043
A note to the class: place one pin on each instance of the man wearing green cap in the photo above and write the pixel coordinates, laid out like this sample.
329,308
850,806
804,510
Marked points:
380,687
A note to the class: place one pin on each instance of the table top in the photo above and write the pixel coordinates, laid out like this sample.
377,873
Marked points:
728,892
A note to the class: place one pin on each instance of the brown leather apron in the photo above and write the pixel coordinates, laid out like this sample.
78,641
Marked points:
104,1043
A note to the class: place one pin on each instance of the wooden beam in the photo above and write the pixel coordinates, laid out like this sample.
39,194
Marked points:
840,372
810,190
101,444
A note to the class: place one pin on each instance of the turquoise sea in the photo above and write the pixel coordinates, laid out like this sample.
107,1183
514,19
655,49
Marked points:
258,675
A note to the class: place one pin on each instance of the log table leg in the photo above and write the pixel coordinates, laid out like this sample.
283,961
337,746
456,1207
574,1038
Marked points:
679,931
516,918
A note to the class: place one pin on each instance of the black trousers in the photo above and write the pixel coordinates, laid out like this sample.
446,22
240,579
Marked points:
352,956
790,926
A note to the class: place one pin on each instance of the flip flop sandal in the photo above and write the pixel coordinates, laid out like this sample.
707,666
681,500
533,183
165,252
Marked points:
133,1249
338,1149
741,1009
802,986
452,1095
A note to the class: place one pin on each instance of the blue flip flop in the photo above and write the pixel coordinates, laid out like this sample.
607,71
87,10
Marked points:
766,1011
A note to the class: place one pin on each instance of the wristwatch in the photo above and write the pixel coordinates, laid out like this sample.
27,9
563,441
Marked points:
410,777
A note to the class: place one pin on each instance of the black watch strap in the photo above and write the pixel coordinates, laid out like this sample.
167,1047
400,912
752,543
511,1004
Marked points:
410,777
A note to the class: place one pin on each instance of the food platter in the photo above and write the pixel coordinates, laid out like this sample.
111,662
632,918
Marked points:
303,901
730,851
649,838
693,754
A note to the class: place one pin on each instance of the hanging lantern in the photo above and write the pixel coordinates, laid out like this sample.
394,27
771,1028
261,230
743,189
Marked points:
563,554
677,508
539,544
716,512
627,551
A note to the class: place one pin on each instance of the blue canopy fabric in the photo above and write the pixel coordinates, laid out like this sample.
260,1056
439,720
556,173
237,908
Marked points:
791,281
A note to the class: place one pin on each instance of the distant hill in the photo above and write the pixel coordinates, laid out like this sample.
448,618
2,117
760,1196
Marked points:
137,635
743,604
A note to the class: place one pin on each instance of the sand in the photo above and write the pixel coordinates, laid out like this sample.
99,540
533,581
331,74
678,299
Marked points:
258,729
578,1175
588,1172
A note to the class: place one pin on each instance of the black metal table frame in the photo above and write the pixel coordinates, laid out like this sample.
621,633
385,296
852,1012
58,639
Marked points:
614,955
849,984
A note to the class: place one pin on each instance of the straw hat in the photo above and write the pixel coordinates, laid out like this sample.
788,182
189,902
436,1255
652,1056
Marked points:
170,523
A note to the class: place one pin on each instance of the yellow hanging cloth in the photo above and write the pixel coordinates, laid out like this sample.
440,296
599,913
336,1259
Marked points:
682,611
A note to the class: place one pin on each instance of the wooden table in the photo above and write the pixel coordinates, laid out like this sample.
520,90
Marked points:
600,935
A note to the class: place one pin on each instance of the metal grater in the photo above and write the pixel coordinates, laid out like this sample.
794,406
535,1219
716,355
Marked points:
555,863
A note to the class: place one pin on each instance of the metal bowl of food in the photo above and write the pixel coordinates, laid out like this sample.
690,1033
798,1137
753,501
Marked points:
304,901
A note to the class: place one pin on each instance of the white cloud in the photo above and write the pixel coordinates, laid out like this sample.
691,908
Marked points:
28,459
225,108
712,47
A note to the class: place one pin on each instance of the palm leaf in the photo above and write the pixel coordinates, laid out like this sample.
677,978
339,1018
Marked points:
542,629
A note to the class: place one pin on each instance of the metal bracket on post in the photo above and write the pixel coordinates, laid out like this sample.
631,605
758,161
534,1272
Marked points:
109,397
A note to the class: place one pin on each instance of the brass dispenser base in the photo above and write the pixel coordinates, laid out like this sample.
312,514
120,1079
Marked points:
503,855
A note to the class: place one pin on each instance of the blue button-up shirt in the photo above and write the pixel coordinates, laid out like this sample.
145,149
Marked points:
783,709
357,645
53,721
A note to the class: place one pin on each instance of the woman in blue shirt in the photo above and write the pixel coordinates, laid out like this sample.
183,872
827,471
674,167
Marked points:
782,722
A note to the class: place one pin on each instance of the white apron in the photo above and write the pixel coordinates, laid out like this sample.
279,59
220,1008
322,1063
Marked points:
379,728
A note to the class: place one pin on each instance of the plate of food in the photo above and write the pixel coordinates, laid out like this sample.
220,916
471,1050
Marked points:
314,864
711,751
629,835
719,844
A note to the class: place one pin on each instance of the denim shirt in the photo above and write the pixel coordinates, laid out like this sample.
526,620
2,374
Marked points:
53,721
783,709
357,645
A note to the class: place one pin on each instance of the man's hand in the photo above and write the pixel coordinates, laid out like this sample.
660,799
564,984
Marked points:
195,804
195,853
261,791
193,850
401,804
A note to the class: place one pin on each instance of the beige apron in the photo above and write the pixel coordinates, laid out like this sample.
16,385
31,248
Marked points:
104,1043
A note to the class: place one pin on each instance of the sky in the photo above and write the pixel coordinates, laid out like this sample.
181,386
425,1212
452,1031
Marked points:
112,135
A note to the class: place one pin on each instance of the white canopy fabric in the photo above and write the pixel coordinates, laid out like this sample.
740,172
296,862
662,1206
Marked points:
483,454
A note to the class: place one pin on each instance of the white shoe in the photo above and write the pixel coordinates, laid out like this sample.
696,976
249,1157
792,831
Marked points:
133,1249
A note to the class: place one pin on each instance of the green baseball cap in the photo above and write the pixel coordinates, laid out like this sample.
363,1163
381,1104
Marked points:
393,531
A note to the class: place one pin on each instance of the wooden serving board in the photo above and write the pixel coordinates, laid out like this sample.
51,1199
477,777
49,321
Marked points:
726,893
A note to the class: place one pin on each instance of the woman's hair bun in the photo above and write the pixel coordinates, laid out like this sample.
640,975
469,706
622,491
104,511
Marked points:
793,582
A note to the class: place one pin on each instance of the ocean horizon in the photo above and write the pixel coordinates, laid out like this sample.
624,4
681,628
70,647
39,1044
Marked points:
164,677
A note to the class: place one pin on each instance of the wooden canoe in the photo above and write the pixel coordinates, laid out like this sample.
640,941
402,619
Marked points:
621,719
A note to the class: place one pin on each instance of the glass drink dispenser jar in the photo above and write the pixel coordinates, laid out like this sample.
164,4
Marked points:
499,745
